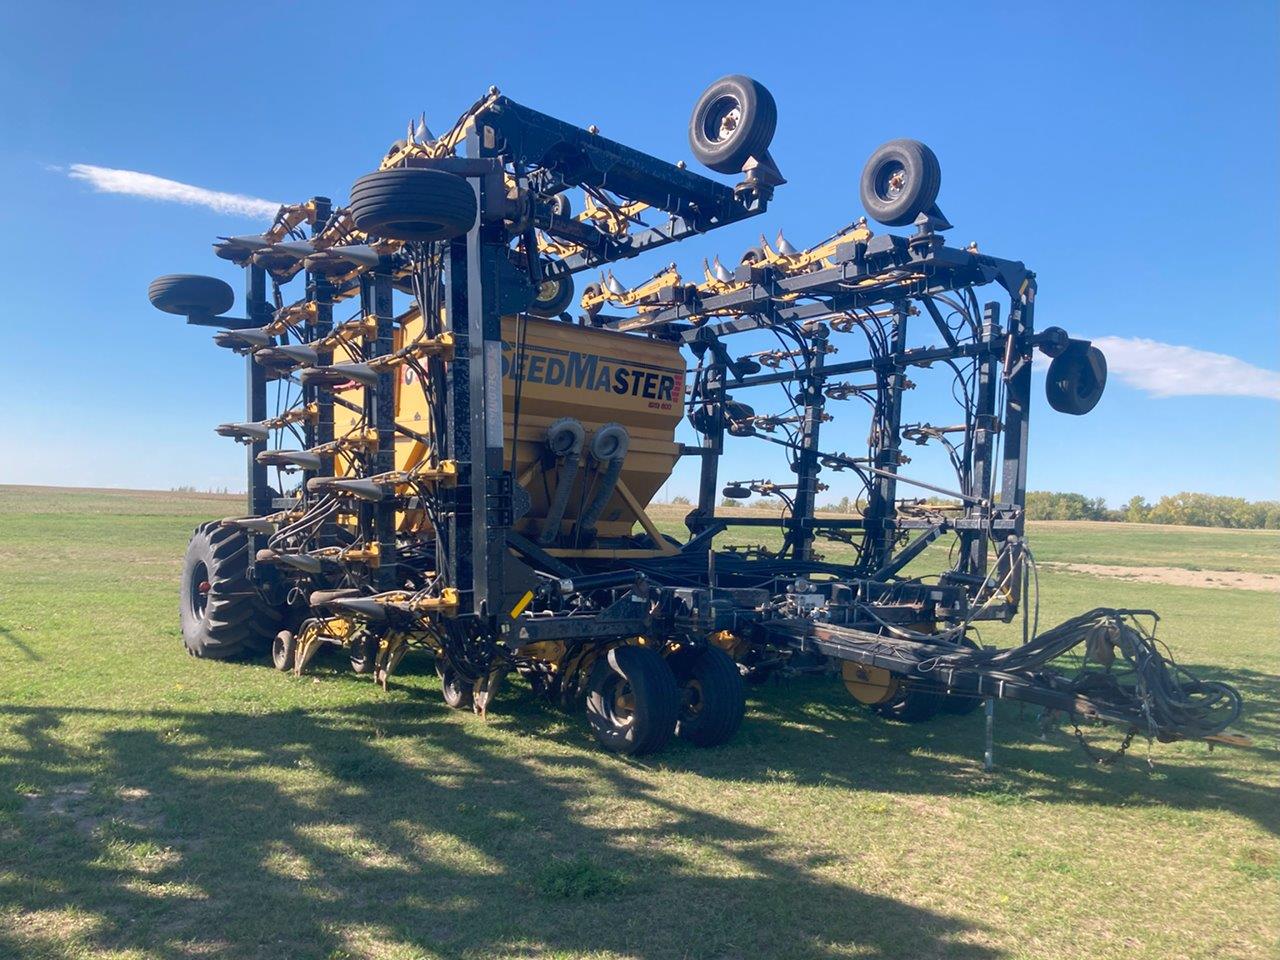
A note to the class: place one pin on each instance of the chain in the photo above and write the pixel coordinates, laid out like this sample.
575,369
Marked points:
1105,760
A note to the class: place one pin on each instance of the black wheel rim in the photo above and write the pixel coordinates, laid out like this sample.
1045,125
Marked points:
891,181
723,119
618,700
199,589
691,699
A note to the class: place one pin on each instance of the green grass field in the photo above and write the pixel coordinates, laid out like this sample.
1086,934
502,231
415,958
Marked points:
152,805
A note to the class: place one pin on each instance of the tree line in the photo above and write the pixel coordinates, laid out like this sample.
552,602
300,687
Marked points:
1182,509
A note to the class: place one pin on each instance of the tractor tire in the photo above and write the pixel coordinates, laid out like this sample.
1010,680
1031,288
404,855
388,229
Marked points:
553,297
712,699
227,618
900,181
632,700
185,294
733,120
915,704
413,204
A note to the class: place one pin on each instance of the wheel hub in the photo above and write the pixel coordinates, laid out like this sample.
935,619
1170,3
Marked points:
723,119
893,180
547,290
200,588
622,703
691,698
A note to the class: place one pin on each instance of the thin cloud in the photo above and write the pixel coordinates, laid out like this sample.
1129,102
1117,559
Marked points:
1167,370
135,184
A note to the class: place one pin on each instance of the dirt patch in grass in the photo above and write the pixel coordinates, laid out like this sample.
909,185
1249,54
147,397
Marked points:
1177,576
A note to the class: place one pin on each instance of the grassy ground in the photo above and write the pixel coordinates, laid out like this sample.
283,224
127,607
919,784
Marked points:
155,806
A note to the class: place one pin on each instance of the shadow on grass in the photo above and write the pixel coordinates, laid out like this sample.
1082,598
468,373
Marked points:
18,643
809,732
391,831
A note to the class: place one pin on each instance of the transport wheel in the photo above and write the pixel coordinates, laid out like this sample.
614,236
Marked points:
900,182
1077,377
456,691
188,293
283,647
958,704
553,298
914,705
733,120
413,204
712,699
632,702
223,615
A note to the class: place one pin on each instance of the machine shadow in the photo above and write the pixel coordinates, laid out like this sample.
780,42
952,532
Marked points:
313,833
808,731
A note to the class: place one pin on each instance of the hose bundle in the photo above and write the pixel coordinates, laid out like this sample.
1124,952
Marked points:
1124,670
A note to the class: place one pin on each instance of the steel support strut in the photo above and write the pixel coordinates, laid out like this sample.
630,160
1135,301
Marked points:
1017,413
886,438
980,443
799,533
259,314
320,292
380,411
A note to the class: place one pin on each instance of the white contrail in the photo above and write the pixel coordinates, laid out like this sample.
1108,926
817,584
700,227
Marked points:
135,184
1168,370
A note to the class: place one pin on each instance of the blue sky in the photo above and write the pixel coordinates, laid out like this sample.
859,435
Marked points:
1126,152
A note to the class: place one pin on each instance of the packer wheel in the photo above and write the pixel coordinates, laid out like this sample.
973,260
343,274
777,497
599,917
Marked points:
457,693
283,648
553,297
632,701
712,698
